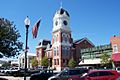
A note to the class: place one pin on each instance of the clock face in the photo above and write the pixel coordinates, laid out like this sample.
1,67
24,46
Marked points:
65,22
56,23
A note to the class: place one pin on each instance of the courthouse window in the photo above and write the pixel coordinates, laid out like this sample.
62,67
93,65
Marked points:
54,51
58,61
54,61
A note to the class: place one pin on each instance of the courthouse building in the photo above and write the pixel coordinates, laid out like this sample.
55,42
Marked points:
62,47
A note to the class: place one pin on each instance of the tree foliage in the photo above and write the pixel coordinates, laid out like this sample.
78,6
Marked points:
9,43
34,62
44,61
105,59
72,63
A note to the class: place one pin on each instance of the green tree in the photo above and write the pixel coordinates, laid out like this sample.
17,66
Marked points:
44,61
34,62
72,63
105,59
9,43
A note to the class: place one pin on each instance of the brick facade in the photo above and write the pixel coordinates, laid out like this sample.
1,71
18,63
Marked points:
115,43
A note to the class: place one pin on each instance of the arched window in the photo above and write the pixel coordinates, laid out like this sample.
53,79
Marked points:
57,61
54,51
57,51
55,38
66,39
63,37
54,61
63,50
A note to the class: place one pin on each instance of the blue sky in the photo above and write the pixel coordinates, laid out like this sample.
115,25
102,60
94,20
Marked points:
97,20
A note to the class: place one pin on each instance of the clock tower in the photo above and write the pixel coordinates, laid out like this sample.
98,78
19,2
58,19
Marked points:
61,39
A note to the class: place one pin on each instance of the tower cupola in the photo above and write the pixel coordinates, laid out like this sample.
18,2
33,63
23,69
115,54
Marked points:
62,12
61,20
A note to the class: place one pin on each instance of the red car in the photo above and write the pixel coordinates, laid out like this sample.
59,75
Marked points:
98,75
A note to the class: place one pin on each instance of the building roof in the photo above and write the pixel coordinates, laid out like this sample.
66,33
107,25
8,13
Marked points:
62,11
80,40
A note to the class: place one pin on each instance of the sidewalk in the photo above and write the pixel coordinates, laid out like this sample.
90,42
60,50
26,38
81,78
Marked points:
14,78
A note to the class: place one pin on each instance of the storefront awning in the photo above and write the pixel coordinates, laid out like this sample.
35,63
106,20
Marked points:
90,62
116,57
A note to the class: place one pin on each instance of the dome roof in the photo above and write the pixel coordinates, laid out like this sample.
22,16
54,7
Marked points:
61,11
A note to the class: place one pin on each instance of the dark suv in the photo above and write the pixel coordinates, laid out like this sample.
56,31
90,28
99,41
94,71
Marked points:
43,75
66,74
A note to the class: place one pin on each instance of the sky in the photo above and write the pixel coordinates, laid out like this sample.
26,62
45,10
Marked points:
97,20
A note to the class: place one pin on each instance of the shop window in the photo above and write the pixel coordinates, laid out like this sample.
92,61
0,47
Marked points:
57,51
115,48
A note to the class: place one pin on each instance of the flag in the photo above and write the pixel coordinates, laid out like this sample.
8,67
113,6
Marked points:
35,29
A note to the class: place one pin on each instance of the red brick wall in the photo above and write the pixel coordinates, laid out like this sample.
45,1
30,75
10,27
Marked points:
41,53
81,45
115,40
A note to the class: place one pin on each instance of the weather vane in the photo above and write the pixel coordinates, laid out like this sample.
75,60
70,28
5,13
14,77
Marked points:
61,4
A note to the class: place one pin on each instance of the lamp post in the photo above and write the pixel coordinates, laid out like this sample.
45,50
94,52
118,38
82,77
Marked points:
49,63
27,23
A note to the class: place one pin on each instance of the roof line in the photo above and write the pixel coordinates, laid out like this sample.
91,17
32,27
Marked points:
78,41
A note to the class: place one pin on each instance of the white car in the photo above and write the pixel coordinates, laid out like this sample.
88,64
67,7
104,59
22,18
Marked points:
118,69
2,70
66,74
11,70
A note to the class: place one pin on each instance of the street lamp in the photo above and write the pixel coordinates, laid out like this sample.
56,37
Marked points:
27,23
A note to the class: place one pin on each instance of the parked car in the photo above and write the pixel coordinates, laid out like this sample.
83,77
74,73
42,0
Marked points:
2,70
10,70
3,79
98,75
43,75
65,74
21,72
42,68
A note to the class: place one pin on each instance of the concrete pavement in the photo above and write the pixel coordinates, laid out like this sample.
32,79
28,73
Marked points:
14,78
